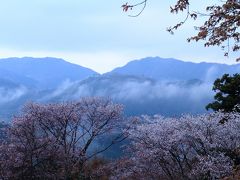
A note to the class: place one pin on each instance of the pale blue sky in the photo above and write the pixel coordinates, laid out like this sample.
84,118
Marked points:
97,34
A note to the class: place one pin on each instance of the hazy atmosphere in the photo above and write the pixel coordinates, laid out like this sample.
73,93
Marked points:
98,34
119,90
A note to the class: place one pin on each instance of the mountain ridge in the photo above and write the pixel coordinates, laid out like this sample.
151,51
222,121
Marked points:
173,69
151,85
46,72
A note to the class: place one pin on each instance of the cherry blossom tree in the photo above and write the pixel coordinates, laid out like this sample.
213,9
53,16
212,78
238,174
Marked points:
221,26
3,130
59,141
189,147
56,141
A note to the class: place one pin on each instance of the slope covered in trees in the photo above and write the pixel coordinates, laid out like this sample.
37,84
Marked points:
57,141
182,148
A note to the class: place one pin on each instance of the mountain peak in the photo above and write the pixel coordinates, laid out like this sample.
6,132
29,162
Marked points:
47,72
174,69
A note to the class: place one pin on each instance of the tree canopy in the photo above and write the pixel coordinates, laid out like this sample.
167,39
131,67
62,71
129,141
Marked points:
193,148
221,26
57,141
227,97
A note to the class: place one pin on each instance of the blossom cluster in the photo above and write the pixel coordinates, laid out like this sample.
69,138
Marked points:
189,147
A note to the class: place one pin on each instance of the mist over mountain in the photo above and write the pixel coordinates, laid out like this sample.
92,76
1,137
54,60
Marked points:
29,79
152,85
141,95
44,73
172,69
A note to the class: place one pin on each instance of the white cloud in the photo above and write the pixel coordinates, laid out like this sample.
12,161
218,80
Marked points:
8,95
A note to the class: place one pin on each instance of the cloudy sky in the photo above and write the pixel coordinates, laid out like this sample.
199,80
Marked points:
97,34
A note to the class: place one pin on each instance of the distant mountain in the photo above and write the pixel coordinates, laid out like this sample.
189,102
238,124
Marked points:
42,72
148,86
7,76
30,79
172,69
141,95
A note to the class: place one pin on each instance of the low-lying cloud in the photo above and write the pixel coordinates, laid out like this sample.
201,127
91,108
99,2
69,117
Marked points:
191,95
11,94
